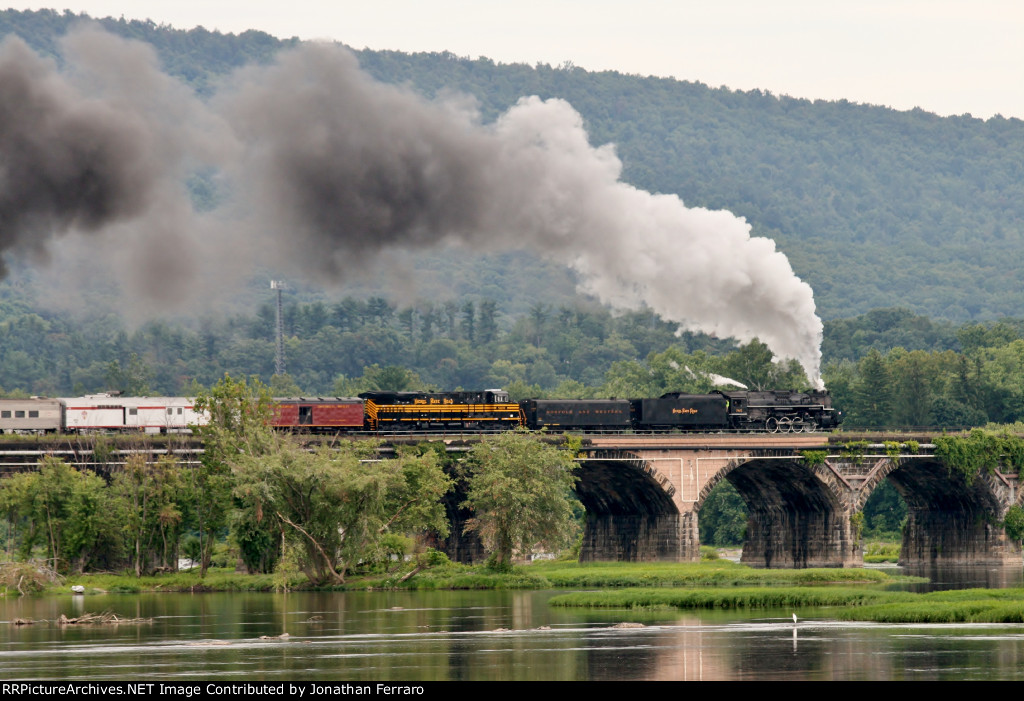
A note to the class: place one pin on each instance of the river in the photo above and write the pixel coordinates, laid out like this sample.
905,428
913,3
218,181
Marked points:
486,635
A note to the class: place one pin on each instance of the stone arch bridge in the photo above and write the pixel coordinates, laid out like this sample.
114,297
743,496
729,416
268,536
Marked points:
643,496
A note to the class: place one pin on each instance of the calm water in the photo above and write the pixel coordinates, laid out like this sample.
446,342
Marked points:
371,636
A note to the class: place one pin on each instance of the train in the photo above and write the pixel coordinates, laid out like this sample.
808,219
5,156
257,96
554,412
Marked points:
490,410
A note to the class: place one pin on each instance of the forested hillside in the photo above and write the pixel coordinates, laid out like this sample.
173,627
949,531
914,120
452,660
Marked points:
873,206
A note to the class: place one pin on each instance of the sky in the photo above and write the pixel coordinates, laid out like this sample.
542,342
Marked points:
945,56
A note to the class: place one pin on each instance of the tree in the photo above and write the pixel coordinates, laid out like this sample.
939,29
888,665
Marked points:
150,493
723,517
884,513
391,378
284,386
333,504
755,366
520,490
336,504
469,321
913,376
872,393
133,380
239,425
487,327
750,364
539,313
67,511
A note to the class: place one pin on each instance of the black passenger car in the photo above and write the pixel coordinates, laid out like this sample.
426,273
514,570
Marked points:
577,414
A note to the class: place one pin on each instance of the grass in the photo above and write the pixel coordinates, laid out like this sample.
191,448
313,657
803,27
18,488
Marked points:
217,579
851,603
875,553
735,598
594,575
960,606
539,575
716,573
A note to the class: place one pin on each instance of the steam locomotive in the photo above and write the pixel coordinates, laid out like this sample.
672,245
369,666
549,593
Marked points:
465,412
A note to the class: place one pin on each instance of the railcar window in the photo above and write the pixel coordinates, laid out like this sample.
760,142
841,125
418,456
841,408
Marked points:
33,414
133,412
19,414
6,414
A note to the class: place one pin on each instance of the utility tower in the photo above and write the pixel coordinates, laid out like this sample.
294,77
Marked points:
279,358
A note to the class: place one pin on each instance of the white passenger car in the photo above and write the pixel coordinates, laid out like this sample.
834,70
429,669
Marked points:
106,412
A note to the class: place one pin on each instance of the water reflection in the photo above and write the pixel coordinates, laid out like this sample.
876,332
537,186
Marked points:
965,577
367,636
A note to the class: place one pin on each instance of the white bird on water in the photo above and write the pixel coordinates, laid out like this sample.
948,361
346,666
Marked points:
794,618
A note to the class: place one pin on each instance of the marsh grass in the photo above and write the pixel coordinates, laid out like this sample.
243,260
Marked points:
938,612
735,598
867,603
539,575
960,606
716,573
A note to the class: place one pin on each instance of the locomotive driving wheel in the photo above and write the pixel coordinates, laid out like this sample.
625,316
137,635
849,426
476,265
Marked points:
771,424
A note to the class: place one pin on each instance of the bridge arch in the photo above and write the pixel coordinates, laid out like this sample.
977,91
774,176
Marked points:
950,520
631,511
797,515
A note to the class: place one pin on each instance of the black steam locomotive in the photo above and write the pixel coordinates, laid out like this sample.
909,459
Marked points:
772,410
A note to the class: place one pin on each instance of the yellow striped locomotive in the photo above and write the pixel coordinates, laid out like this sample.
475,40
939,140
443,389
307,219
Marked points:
484,410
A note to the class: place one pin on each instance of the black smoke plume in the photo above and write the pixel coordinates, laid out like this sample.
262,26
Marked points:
66,161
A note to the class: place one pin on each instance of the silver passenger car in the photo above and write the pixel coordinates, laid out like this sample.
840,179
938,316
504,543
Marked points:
31,415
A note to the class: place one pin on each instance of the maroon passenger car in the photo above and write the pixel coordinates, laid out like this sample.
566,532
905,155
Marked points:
319,414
